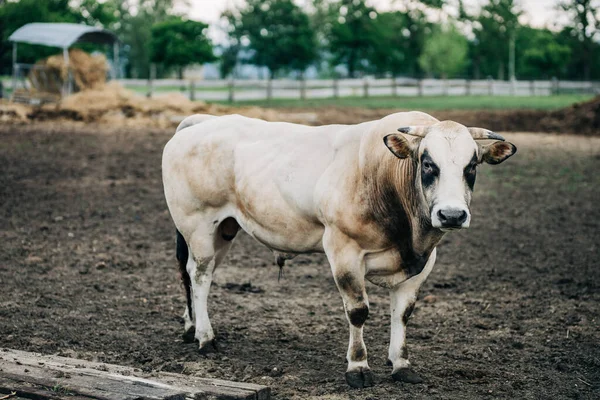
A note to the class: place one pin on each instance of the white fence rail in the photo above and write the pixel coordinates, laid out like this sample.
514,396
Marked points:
244,90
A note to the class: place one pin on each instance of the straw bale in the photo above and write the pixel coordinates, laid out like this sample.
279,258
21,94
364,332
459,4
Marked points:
89,71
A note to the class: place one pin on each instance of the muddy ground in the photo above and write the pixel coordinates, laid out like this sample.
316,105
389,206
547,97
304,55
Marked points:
87,269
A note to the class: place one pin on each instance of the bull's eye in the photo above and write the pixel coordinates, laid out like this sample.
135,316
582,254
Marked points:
428,167
470,174
429,171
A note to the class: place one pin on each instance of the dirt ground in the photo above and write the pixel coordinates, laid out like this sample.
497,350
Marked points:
87,269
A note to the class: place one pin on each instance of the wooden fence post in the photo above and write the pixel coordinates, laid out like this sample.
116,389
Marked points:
555,87
490,86
269,89
420,87
302,88
192,89
14,79
336,88
366,88
394,87
445,87
468,87
532,87
230,84
151,79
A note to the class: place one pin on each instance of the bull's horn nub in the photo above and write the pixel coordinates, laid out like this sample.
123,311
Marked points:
482,134
419,131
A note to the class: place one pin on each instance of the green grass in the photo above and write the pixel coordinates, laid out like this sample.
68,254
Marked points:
433,102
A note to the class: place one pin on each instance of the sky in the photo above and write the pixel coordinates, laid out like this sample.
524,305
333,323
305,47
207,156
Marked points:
538,13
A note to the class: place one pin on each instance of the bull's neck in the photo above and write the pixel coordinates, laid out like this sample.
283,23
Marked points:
394,197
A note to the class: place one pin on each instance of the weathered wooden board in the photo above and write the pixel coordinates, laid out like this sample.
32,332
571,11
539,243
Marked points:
44,377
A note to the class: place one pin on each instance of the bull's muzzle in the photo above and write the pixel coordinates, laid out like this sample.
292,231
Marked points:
451,218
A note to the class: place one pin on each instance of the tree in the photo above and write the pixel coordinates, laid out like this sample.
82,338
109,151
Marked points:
278,32
389,50
351,35
177,43
398,42
494,29
541,55
585,18
444,53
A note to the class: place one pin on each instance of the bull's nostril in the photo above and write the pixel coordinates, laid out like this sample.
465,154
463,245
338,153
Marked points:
463,217
441,216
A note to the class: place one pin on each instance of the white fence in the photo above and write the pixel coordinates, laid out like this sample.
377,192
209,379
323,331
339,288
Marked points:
244,90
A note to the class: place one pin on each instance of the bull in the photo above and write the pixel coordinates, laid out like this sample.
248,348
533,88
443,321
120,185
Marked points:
375,197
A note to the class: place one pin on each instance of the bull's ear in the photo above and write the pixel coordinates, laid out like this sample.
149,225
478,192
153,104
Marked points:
398,145
497,152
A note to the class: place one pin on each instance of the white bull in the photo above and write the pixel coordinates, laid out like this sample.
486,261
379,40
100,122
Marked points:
376,198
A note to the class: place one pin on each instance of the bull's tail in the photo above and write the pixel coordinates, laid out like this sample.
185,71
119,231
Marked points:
193,120
182,255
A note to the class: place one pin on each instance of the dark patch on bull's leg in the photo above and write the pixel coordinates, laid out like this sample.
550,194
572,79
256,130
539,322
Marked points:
404,352
358,354
360,378
408,312
358,316
406,375
182,255
229,229
189,335
348,283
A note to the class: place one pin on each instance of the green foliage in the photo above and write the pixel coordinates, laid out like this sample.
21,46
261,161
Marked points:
15,15
279,34
445,53
494,28
542,54
406,31
584,17
229,59
352,33
177,43
389,50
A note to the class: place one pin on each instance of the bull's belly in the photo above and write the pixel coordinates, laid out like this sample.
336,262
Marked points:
285,235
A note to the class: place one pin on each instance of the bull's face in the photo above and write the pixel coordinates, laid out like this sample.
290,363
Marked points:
446,156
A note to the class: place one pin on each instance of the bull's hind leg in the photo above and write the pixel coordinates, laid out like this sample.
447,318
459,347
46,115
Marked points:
207,248
402,303
348,272
182,259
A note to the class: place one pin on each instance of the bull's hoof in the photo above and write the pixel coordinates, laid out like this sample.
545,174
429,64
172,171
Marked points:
406,375
361,378
209,347
189,335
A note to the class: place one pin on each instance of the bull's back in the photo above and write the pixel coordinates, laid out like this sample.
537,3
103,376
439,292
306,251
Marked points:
263,174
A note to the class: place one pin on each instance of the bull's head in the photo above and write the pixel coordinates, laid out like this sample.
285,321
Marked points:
446,156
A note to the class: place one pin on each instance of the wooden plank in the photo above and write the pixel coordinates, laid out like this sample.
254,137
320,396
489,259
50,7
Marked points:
171,384
90,386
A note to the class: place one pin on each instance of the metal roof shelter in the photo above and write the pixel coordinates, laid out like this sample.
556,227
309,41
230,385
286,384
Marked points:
62,35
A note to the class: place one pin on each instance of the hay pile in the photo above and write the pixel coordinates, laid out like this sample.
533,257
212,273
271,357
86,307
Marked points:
89,72
115,105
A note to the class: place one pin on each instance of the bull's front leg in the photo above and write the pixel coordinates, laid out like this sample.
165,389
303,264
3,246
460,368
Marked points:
402,303
348,271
